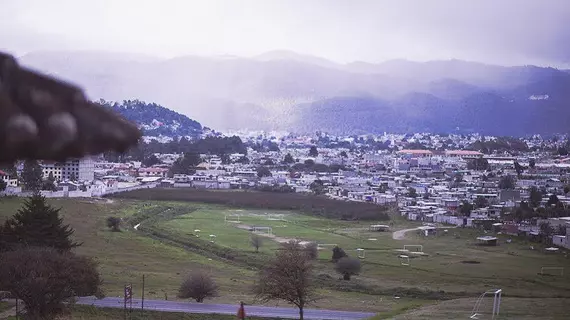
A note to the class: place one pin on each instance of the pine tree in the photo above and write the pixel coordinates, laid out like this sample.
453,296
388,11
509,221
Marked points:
38,224
32,175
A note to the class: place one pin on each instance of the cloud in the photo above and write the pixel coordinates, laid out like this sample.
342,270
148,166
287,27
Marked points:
503,32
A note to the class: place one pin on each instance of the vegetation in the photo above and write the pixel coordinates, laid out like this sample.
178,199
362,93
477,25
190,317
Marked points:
37,224
312,205
288,277
313,152
198,285
256,241
32,175
114,223
347,267
479,164
338,253
507,183
44,279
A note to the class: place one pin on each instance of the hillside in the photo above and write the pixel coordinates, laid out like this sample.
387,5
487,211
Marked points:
287,91
155,120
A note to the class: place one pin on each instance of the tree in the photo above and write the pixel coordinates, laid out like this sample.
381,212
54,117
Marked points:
479,164
198,285
562,230
32,175
566,189
313,152
49,183
546,231
312,249
337,254
186,164
288,159
263,171
114,223
481,202
3,185
256,241
532,163
73,176
465,208
37,224
44,279
535,197
343,154
309,162
318,187
412,193
225,158
519,168
288,277
552,200
150,161
562,151
348,266
507,182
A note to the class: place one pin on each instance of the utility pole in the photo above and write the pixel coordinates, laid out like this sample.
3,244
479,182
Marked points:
142,296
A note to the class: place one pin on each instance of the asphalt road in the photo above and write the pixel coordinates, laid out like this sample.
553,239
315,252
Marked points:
181,306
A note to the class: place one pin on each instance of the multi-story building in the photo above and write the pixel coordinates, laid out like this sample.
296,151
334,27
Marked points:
75,169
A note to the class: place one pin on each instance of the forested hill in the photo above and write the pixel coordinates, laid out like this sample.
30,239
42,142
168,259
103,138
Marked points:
156,120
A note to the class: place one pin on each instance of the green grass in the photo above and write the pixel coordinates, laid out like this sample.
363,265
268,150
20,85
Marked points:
166,247
5,306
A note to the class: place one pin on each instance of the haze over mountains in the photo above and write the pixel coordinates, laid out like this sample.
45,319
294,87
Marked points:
283,90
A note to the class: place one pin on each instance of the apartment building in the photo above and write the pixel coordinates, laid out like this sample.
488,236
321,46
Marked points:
74,169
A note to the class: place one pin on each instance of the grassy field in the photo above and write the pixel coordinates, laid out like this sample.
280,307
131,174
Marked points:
166,246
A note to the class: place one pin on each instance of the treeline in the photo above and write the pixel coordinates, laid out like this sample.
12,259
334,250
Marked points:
499,144
307,204
221,146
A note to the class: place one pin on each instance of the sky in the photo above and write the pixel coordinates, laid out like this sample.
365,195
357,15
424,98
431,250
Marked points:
505,32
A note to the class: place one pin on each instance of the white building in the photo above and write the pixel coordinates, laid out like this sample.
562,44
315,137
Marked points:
75,169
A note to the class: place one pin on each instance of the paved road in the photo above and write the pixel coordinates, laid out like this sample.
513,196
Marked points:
180,306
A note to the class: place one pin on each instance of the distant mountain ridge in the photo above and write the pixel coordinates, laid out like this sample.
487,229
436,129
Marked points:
155,120
283,90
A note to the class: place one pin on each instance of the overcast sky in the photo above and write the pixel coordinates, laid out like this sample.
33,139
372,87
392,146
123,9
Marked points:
494,31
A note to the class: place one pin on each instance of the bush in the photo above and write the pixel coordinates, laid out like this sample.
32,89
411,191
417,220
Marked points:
312,250
114,223
348,266
338,253
256,241
198,286
44,279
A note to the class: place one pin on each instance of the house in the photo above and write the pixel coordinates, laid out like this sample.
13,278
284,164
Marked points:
562,241
152,172
6,178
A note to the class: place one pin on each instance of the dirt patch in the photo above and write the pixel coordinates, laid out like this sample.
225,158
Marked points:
470,261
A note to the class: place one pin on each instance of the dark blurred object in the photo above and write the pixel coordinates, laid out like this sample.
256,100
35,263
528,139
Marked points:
42,118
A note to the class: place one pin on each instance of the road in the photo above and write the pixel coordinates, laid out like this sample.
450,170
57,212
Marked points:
181,306
401,234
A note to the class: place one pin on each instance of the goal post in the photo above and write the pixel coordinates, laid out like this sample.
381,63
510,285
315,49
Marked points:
415,247
404,260
477,312
232,218
361,253
559,271
267,230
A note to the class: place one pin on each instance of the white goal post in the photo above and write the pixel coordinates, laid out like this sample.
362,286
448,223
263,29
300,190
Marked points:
476,313
267,230
560,269
323,245
233,218
407,247
404,260
361,253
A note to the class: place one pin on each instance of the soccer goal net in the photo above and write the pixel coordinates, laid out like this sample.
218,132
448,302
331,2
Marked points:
266,230
487,305
414,248
552,271
232,218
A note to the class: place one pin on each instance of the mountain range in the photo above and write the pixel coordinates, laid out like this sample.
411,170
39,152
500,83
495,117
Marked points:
284,90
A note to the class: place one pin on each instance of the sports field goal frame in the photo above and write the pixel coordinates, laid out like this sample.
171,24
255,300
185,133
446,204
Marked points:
361,253
406,246
497,293
324,245
276,217
404,260
231,218
258,229
552,268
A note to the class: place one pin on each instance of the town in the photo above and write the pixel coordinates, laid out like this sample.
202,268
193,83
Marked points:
508,185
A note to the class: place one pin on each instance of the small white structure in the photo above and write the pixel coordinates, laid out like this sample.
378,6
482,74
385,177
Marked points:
378,227
232,218
212,238
323,245
476,313
257,229
197,233
417,247
404,260
361,253
557,270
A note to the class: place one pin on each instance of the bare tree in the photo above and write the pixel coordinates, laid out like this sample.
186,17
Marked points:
288,277
348,266
44,279
256,241
198,285
114,223
312,250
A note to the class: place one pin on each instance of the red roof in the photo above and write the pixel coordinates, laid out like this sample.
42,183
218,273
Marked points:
2,173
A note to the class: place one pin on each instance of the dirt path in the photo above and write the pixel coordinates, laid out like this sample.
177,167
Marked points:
401,234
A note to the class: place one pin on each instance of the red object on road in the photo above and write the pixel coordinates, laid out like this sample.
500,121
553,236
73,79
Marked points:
241,312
